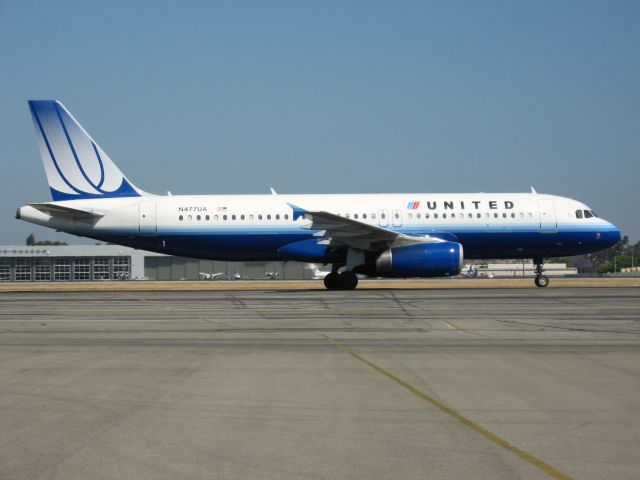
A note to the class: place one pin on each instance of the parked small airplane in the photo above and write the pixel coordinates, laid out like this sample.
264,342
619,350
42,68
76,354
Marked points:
211,276
316,273
382,235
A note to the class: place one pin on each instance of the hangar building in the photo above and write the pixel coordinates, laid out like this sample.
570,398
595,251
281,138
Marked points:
19,263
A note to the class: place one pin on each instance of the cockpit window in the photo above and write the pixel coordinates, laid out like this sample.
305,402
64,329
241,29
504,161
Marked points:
587,214
578,213
593,213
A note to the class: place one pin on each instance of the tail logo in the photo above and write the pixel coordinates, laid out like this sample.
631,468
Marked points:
75,165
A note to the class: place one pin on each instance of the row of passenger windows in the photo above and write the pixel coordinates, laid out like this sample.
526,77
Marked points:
362,216
585,214
233,217
470,215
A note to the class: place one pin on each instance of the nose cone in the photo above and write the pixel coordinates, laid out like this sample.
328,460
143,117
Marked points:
611,236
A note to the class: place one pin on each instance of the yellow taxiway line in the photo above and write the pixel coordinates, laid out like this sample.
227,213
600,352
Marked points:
492,437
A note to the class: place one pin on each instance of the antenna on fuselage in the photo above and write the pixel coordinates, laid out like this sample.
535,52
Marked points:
533,190
273,192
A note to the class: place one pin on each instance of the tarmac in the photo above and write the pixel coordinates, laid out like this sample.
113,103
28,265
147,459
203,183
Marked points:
298,383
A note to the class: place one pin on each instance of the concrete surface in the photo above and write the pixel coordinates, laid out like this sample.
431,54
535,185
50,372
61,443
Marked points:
373,284
376,384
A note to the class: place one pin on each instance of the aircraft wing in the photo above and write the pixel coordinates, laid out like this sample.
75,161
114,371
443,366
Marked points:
339,230
67,212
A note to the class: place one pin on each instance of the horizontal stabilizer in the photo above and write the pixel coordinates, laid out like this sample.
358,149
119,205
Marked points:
67,212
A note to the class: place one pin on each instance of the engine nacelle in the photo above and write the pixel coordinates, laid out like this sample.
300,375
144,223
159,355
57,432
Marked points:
421,260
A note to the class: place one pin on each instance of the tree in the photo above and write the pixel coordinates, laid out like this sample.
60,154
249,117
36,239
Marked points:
31,239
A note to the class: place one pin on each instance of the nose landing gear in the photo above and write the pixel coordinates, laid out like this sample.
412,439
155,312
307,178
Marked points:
541,280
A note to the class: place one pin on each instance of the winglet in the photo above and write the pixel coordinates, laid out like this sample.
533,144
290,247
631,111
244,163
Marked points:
297,211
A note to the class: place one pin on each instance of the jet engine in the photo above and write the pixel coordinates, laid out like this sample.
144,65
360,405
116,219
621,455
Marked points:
419,260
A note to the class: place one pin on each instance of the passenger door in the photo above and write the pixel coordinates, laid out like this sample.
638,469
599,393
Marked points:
547,211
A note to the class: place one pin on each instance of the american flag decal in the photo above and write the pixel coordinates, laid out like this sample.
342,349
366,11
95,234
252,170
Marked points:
413,205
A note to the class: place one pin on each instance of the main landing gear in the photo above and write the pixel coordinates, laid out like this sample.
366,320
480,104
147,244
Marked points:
346,280
541,280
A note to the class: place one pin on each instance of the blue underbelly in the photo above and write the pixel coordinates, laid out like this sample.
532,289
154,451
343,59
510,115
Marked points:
263,245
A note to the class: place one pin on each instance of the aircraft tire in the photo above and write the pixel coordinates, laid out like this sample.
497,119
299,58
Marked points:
332,281
542,281
348,281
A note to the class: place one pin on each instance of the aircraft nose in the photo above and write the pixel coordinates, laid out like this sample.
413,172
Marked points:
611,236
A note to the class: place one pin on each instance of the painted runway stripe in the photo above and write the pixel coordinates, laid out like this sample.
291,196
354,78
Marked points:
492,437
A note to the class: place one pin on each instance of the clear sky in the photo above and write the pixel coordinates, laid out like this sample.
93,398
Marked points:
332,96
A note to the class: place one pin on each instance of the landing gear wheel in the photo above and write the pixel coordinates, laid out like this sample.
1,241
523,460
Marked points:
542,281
348,280
332,281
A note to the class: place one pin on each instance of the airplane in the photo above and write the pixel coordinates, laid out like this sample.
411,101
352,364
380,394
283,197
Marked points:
272,275
472,272
381,235
316,273
211,276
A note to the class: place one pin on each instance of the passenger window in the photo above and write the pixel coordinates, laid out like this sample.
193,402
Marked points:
513,215
383,215
409,216
355,215
396,215
251,216
259,216
426,215
587,214
578,213
504,215
479,215
269,217
373,216
180,218
530,215
346,215
487,215
470,215
418,215
435,215
189,217
364,216
207,217
277,216
444,215
224,217
495,215
215,217
241,217
198,217
233,217
286,216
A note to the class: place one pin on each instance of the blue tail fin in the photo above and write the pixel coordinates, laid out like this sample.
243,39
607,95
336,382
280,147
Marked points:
76,167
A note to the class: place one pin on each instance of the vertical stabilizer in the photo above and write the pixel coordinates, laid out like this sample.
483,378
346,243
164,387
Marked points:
76,166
